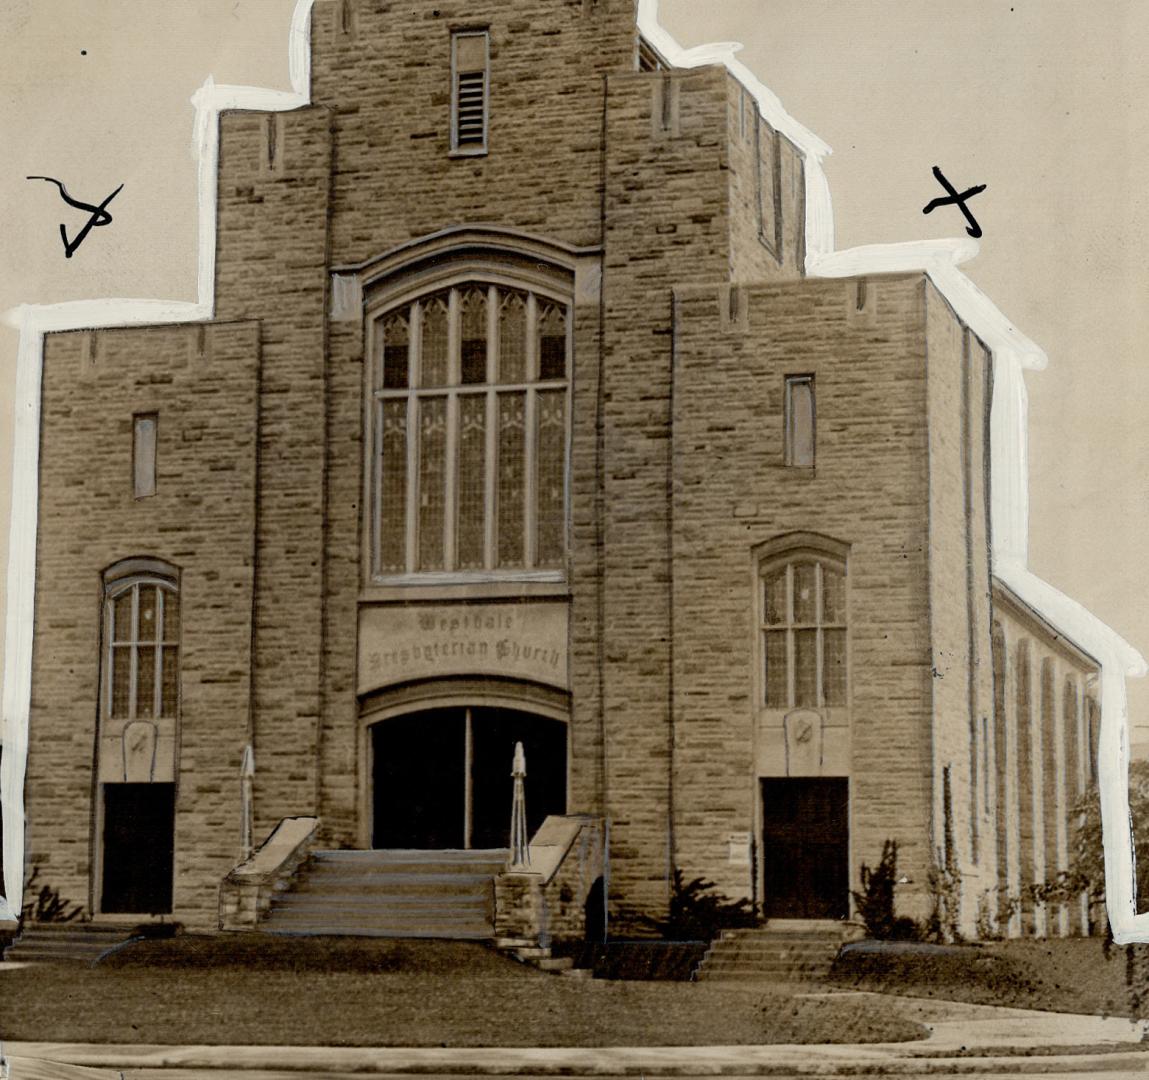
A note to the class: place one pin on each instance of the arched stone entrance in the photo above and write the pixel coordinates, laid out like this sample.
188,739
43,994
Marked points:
441,775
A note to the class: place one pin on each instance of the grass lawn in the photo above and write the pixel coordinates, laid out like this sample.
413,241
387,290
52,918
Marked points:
313,991
1060,975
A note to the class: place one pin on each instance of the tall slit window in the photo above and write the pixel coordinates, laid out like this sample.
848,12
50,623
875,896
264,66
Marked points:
800,419
470,91
803,632
144,431
142,652
470,429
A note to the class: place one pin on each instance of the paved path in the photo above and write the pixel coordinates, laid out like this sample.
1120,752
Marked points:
975,1040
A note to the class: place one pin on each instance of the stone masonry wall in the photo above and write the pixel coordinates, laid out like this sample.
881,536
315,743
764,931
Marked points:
959,592
732,492
385,71
767,195
979,396
666,214
202,381
273,186
1044,767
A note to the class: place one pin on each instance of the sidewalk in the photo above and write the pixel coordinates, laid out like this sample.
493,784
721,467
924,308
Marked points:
993,1037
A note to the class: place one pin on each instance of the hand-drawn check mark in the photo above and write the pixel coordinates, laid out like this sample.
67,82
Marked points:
100,215
974,229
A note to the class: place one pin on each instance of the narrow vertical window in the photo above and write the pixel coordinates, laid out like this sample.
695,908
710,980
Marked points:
141,675
144,454
470,88
800,421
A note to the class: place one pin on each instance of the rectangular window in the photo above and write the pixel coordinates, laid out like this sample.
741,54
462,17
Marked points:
470,89
800,421
144,454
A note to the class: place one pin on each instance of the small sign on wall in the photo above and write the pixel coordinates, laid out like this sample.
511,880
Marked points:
739,847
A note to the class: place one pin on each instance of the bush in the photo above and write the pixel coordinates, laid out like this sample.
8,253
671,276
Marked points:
1087,866
699,914
875,902
46,906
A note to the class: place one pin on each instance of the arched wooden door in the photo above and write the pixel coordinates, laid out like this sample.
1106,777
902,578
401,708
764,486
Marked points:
442,777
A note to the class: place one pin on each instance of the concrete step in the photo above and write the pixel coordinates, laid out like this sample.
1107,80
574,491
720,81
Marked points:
428,894
59,942
382,916
86,928
711,967
800,952
761,944
98,943
36,953
748,937
758,976
432,902
409,862
414,884
318,929
380,920
807,927
76,938
771,954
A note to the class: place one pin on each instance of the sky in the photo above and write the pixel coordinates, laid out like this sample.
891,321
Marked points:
1042,101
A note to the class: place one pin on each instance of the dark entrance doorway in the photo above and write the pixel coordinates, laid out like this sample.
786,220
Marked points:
442,777
139,832
805,848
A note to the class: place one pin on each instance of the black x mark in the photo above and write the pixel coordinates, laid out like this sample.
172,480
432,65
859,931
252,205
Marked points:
974,229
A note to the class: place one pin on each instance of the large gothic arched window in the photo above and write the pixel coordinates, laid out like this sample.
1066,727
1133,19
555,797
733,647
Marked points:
470,420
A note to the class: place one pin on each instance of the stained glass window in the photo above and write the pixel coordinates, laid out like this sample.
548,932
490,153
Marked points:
803,628
470,433
142,651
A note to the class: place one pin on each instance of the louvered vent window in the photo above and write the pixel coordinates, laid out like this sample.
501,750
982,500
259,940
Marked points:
470,51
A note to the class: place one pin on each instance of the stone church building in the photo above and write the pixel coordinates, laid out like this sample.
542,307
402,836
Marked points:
520,417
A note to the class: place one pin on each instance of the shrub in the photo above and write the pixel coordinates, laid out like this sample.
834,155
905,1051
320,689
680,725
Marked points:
1087,864
46,906
699,914
875,902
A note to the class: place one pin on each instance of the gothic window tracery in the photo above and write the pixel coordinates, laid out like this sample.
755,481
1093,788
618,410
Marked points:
470,429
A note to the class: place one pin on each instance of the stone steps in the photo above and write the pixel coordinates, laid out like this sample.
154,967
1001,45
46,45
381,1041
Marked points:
65,942
426,885
402,894
802,954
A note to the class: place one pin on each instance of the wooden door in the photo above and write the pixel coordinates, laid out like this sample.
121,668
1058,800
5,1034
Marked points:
138,849
805,848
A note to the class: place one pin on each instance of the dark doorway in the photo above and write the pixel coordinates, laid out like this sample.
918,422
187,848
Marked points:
139,835
805,848
420,764
442,778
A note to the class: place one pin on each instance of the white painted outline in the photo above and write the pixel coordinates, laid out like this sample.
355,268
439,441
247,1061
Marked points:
1012,354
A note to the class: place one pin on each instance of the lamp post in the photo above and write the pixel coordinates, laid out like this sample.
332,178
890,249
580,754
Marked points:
520,841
